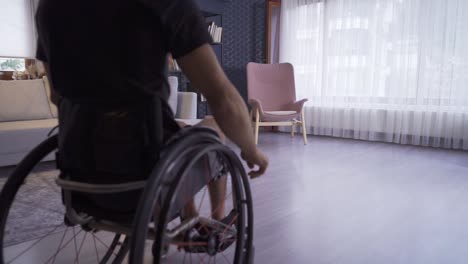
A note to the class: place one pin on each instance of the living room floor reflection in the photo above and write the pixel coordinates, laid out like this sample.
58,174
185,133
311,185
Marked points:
348,201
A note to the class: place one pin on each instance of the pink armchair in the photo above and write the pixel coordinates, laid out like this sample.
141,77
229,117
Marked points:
272,96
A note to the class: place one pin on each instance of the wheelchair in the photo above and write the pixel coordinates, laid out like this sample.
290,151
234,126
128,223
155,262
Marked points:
157,232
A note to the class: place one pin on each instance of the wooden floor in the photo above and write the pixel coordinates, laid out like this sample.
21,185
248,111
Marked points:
356,202
346,201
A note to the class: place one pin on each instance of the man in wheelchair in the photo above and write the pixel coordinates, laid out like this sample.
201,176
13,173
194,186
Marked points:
107,66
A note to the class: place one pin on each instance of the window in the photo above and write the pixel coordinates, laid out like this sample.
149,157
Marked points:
393,51
12,64
17,34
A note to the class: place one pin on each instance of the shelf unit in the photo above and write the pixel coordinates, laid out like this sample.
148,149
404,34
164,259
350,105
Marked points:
184,84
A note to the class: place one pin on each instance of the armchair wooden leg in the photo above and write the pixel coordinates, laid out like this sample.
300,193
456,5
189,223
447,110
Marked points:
257,126
304,132
293,128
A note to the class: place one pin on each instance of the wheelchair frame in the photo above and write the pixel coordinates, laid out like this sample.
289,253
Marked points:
161,187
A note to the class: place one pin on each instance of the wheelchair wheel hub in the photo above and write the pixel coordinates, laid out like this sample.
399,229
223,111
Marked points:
213,244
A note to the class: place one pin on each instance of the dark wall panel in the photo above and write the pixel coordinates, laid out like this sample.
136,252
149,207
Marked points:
211,6
244,32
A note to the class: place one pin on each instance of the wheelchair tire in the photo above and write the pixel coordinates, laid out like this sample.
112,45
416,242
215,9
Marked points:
32,250
163,189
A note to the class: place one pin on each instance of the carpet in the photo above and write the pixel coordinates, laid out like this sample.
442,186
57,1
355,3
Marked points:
37,209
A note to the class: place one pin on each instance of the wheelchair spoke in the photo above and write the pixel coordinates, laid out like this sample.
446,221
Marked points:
74,241
224,256
82,250
79,250
202,258
35,243
60,245
95,247
107,247
64,246
230,224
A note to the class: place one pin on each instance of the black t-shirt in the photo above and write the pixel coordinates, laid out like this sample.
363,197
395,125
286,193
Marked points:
115,49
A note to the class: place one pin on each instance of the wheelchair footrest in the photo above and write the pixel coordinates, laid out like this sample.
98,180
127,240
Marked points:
211,239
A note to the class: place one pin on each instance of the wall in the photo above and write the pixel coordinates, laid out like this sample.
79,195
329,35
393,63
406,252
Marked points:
244,33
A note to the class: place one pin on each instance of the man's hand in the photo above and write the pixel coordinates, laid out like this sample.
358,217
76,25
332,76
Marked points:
255,157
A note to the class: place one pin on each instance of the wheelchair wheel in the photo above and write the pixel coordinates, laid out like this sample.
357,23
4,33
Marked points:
201,238
32,226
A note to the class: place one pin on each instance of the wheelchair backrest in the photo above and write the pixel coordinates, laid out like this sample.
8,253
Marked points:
120,138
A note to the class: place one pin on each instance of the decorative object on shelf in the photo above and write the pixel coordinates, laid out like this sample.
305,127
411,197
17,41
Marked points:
12,64
172,63
35,70
215,32
214,22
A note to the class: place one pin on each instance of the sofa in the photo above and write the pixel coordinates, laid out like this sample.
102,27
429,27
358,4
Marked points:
27,115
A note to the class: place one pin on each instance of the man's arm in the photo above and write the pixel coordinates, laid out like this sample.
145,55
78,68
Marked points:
230,112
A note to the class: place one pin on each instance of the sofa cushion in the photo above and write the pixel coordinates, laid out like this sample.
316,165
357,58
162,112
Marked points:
173,84
23,100
22,136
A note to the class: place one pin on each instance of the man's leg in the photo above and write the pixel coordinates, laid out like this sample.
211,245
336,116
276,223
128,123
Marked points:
216,188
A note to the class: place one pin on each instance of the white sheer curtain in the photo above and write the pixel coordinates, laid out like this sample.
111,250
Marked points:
18,36
387,70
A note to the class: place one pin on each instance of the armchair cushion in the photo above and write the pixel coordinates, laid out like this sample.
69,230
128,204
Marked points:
290,112
280,113
273,116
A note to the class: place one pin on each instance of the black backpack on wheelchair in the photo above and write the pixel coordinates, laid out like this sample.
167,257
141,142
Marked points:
122,182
